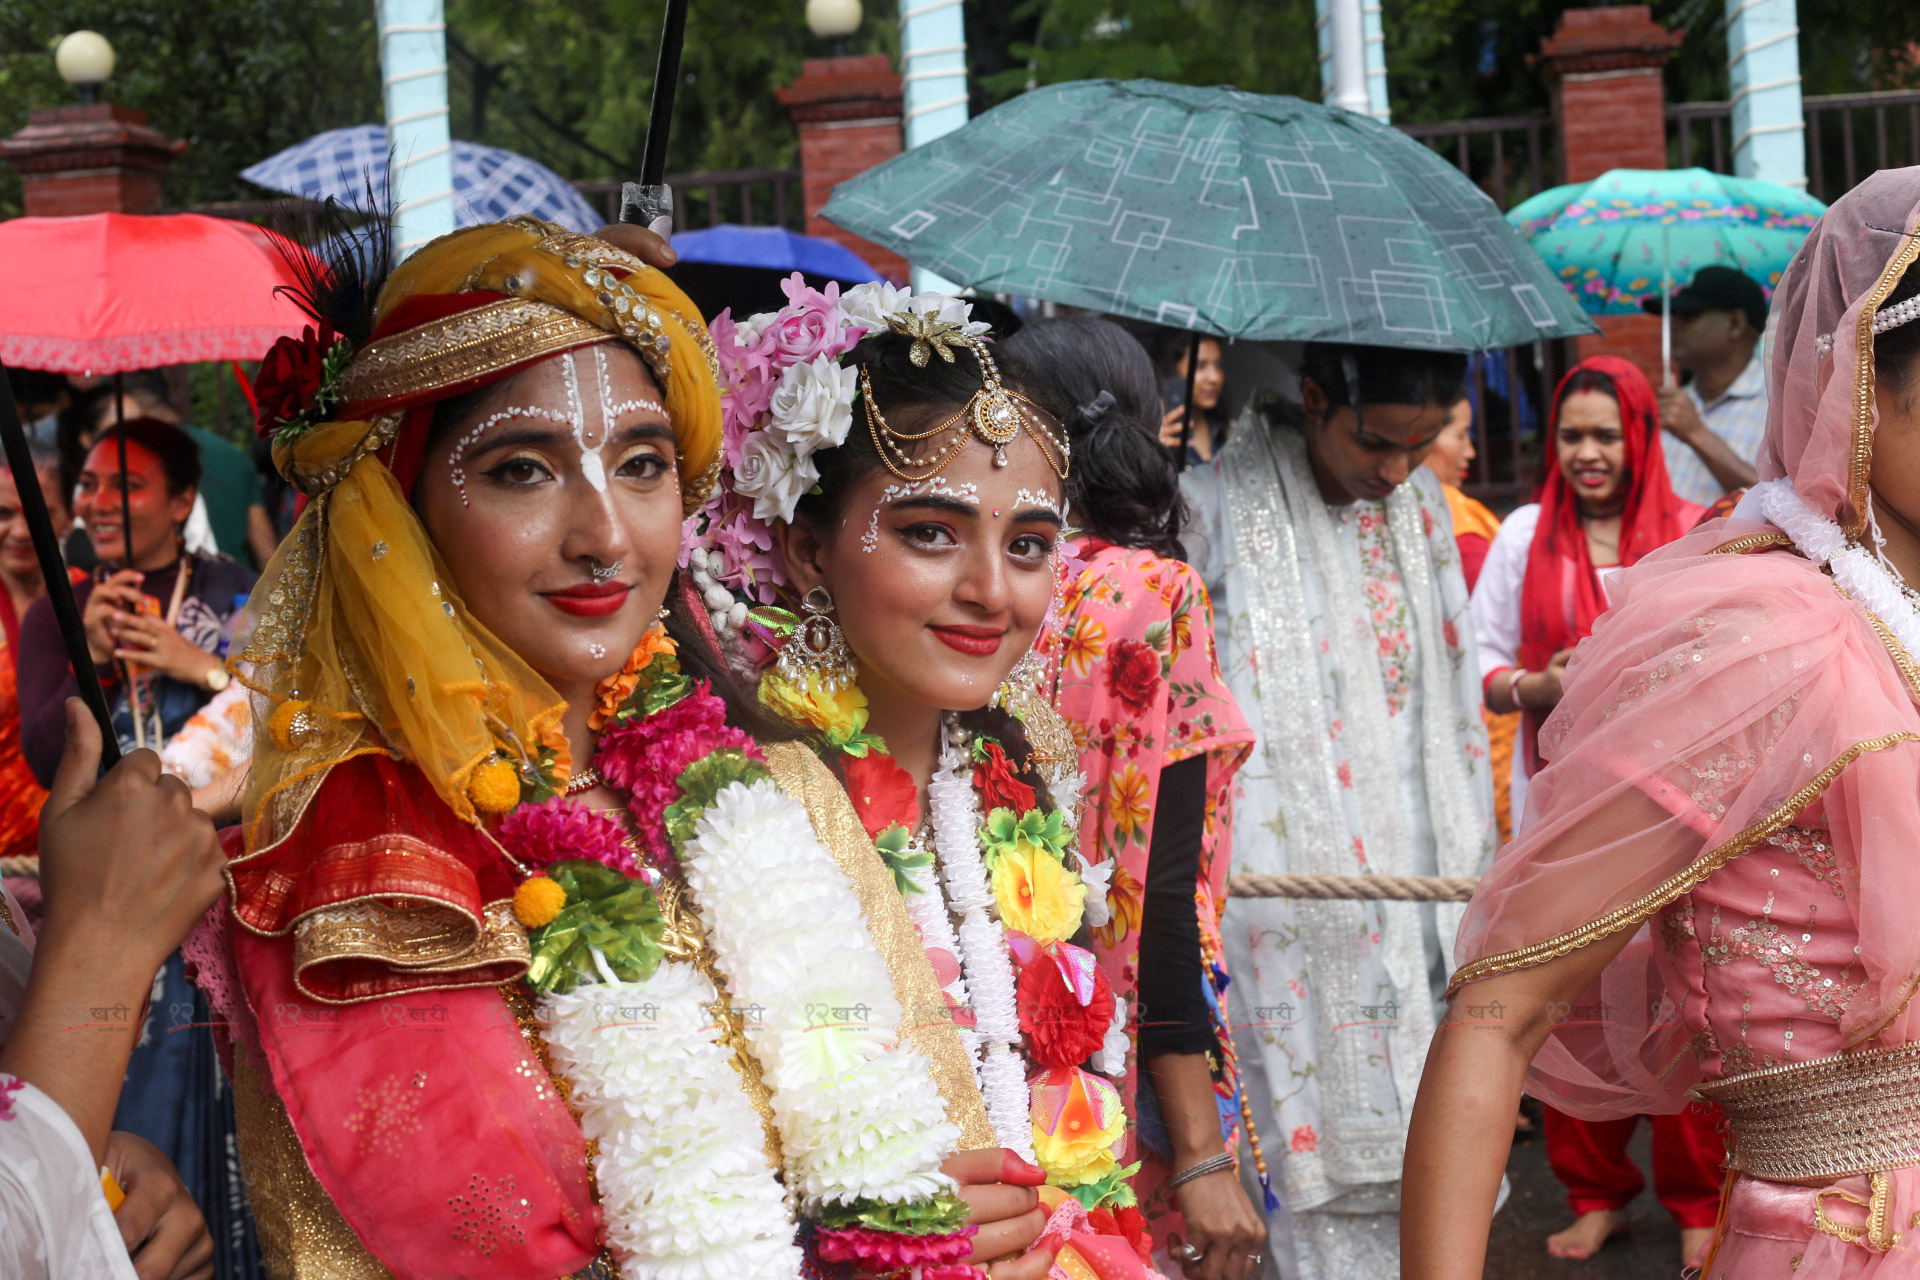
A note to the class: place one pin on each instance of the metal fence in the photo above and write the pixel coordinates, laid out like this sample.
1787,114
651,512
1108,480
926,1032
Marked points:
1508,157
1849,135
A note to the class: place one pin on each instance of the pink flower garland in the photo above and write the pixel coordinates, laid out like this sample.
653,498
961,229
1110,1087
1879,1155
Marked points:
891,1250
542,834
645,757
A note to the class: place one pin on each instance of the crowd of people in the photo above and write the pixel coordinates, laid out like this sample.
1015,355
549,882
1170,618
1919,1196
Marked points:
669,795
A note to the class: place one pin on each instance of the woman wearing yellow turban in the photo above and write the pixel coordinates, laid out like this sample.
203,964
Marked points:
537,963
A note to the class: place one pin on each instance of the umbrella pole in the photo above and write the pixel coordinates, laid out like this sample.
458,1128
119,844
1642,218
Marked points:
1186,419
126,490
1666,305
649,202
53,567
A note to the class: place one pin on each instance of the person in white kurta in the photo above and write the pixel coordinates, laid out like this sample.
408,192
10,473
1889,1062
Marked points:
1344,634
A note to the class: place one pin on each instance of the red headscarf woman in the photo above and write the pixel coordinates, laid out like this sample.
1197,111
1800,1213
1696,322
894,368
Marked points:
1605,504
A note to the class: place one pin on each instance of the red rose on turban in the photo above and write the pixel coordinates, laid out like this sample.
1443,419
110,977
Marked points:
1133,674
290,377
1060,1030
999,786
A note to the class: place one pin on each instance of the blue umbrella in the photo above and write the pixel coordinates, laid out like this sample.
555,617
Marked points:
774,249
488,183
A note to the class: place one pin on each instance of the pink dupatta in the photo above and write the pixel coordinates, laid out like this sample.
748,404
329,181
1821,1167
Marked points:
1731,687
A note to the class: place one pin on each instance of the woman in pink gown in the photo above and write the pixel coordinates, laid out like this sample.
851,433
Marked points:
1713,896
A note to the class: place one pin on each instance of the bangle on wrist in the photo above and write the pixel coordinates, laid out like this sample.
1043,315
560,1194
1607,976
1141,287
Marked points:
1212,1164
1513,688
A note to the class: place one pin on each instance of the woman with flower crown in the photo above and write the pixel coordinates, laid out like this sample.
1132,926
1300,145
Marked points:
900,483
534,964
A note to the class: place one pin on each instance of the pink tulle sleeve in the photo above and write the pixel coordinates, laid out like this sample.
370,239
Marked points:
1718,699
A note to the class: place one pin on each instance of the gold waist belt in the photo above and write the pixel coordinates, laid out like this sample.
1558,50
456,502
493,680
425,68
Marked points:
1831,1118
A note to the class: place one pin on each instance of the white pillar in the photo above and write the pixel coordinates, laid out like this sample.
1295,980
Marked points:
413,76
1763,73
1353,56
933,67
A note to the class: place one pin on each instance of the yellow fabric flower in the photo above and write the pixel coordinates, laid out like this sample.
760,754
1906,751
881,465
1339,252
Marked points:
1037,895
537,901
1075,1144
837,713
494,787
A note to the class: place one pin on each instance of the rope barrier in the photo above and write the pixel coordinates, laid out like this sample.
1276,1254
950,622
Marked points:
1365,888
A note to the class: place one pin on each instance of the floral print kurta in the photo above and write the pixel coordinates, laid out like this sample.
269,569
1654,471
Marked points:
1138,680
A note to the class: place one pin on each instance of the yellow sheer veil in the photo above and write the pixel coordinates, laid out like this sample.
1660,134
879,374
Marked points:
361,643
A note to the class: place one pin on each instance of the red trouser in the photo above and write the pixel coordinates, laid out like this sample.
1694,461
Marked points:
1590,1159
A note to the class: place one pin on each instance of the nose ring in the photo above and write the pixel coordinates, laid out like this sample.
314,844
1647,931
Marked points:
606,573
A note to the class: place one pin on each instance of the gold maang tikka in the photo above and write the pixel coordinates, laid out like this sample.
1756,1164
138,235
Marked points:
994,413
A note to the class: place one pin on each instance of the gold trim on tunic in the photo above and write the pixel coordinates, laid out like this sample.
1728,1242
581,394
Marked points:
926,1022
1860,470
1835,1117
1632,913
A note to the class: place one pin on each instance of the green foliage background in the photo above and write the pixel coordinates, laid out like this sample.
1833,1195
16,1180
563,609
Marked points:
568,81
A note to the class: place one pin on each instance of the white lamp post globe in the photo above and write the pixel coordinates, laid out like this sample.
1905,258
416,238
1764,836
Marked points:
833,19
83,58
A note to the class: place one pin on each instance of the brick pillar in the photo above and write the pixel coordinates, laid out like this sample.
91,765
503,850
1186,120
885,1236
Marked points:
848,114
93,157
1603,68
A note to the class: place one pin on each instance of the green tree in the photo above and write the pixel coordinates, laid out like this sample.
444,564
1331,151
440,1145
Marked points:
238,79
569,83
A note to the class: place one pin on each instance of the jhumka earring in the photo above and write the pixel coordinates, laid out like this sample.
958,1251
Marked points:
1022,683
817,646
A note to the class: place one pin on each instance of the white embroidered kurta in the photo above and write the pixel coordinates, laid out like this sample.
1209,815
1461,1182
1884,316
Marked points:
54,1220
1345,636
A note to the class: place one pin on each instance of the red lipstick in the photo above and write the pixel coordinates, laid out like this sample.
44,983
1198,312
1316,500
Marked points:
590,600
975,642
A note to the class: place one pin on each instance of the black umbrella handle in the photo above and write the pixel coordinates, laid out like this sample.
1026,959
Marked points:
53,567
649,202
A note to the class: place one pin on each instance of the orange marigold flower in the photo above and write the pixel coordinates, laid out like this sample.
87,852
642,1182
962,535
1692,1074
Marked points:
495,786
537,901
616,689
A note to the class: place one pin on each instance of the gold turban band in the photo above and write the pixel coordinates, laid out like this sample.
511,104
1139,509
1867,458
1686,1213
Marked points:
361,643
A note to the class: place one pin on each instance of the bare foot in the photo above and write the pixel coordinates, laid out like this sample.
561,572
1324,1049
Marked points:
1693,1245
1587,1234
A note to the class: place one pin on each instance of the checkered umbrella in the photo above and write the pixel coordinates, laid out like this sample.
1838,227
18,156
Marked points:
488,183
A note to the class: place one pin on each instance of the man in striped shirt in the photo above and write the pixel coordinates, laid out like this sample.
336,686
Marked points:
1716,422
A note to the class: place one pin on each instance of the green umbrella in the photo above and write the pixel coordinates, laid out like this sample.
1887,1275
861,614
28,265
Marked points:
1236,214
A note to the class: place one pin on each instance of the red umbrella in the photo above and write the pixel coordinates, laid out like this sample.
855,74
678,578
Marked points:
114,292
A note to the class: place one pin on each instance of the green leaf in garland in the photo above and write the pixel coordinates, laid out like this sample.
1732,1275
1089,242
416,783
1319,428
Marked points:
891,844
1004,833
1112,1189
703,780
857,741
937,1216
606,912
541,780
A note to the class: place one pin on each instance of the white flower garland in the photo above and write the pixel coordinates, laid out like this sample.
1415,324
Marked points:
927,910
858,1112
983,950
1853,566
682,1174
684,1183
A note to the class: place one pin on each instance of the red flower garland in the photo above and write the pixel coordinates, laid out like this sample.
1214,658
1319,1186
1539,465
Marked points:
1061,1031
882,792
999,785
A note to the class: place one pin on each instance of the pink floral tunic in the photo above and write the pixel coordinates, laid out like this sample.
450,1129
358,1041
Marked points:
1137,677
